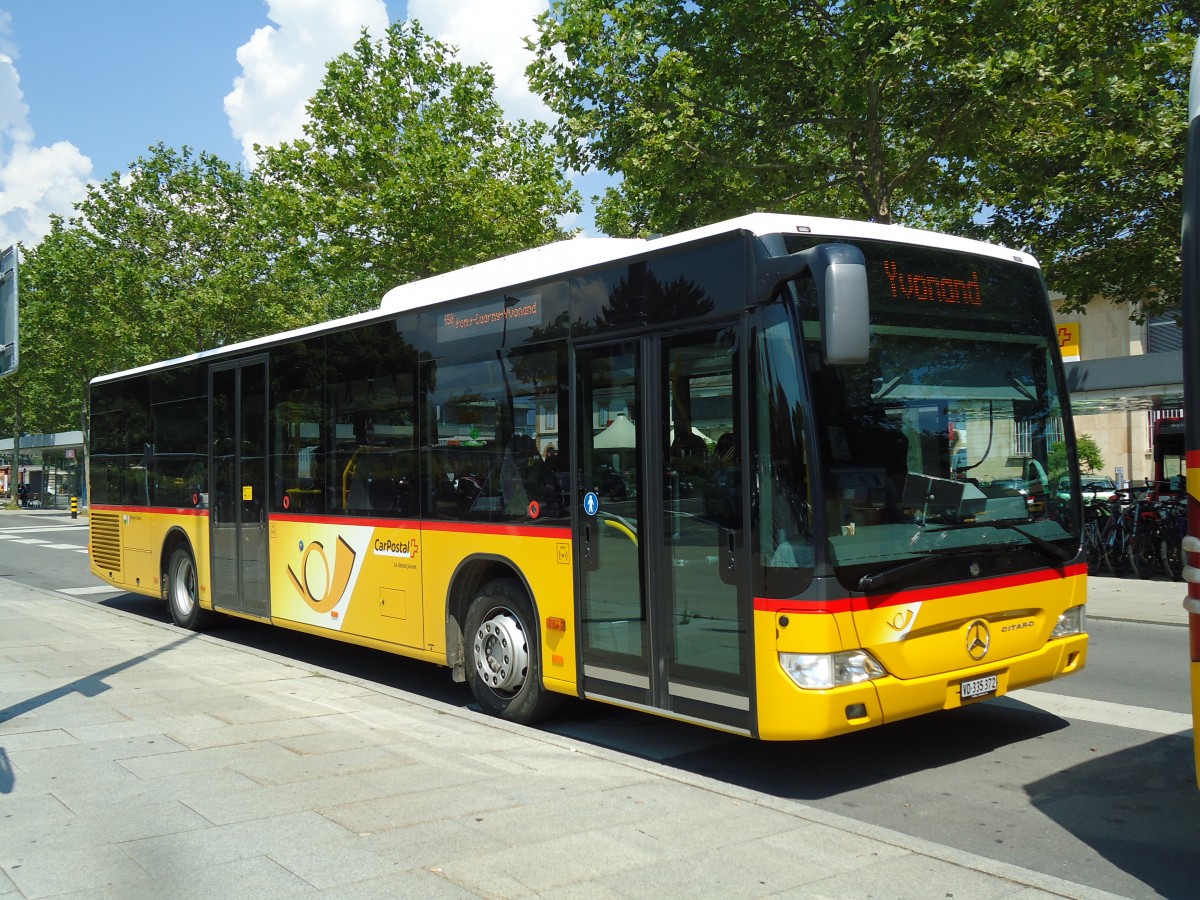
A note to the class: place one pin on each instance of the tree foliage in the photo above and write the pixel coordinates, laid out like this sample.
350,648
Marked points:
146,269
1097,190
408,168
1091,459
1047,124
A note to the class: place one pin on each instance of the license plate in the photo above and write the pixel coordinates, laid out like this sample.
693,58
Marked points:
980,687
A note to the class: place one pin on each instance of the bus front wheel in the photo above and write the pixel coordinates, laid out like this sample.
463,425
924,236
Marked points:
503,662
182,593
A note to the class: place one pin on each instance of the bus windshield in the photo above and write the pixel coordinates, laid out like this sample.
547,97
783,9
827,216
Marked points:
947,444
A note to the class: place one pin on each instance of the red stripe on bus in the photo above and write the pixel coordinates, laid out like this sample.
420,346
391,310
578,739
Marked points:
344,520
920,595
158,510
561,534
450,527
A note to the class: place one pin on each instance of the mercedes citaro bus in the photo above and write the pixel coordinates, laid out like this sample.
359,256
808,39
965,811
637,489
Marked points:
782,476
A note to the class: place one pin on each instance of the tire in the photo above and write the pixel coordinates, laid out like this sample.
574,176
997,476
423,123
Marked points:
1171,556
503,659
1114,557
1094,548
182,592
1142,554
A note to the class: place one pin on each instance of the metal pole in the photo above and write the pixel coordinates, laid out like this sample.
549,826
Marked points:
1190,309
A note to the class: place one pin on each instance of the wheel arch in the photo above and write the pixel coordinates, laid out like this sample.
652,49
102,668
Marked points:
175,538
469,576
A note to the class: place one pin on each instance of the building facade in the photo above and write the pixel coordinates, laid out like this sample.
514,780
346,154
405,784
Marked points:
1122,376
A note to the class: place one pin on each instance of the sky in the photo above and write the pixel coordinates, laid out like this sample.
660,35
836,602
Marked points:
87,86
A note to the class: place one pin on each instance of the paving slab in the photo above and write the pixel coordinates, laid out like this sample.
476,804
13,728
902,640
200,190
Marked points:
138,760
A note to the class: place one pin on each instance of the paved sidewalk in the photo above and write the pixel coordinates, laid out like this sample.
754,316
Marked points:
1133,600
139,760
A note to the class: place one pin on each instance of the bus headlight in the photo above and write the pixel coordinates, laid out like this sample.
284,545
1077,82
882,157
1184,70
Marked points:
827,670
1073,621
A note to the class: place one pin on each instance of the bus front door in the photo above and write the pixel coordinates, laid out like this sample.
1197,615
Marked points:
663,605
238,495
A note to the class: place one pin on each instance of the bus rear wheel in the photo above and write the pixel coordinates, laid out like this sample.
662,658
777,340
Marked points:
182,592
503,660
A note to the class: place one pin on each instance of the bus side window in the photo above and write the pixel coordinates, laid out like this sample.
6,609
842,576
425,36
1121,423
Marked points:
490,415
785,504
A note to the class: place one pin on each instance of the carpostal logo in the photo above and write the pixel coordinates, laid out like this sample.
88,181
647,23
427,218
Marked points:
396,548
320,584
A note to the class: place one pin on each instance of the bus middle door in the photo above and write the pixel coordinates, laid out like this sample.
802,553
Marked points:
663,610
238,495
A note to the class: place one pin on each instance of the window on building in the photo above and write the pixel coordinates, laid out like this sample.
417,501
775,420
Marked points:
1163,333
1023,439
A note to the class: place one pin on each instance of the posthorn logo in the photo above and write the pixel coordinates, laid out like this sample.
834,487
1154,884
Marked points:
320,584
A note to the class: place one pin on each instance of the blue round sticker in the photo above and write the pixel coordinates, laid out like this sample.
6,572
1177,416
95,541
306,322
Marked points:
591,503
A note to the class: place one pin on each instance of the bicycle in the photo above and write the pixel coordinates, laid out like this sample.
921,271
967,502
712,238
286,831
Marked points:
1143,538
1117,534
1172,526
1096,518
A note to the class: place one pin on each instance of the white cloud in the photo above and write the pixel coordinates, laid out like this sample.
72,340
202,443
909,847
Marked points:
283,65
34,181
490,31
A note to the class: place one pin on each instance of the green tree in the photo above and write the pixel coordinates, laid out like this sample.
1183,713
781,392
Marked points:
177,244
1090,458
1096,191
158,262
1048,124
407,169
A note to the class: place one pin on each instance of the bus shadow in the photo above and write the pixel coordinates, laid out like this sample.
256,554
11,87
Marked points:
1138,808
138,605
819,770
798,770
376,666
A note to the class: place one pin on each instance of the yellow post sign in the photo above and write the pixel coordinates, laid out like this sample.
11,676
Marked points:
1068,341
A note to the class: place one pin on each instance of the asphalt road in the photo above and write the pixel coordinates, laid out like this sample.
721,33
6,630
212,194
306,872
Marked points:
1089,779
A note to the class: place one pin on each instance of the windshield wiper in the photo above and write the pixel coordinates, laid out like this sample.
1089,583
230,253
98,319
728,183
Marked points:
877,580
1048,548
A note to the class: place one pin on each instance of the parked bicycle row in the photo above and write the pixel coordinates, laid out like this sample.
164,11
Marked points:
1135,532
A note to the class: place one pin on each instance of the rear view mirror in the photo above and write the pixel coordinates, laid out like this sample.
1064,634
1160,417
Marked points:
839,272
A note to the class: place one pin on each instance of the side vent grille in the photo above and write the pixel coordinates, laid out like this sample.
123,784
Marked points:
106,540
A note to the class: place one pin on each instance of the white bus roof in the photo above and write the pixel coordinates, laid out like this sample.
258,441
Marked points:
564,257
545,262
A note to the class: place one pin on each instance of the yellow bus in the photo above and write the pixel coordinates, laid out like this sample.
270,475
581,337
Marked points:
782,476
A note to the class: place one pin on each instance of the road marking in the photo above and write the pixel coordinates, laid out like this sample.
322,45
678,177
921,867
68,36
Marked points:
31,529
1102,712
27,541
65,547
97,589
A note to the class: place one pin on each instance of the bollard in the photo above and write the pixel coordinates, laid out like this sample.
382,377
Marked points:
74,507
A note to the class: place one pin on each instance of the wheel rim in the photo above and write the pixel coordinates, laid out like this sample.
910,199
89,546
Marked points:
501,652
183,588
